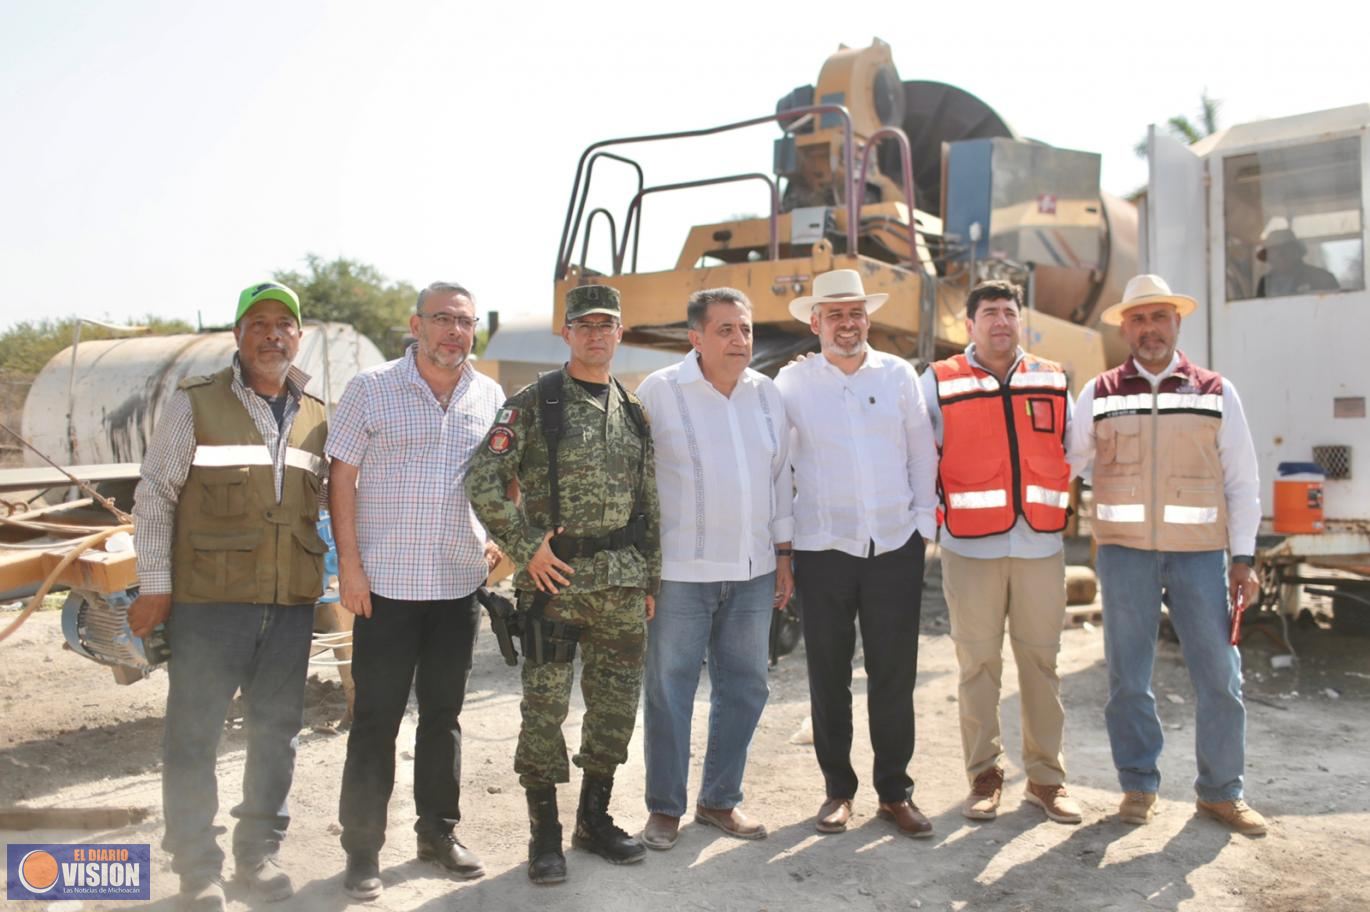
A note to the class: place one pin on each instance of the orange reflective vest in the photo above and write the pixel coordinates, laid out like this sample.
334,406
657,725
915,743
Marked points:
1003,447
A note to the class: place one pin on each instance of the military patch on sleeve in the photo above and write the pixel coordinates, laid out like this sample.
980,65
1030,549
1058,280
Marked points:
501,440
507,416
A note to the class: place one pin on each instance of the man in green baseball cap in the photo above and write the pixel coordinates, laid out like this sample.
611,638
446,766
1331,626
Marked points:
242,605
584,300
268,291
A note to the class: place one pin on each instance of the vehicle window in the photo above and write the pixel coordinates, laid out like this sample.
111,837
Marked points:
1292,220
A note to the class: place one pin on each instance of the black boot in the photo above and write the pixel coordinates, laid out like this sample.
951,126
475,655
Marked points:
546,863
595,830
362,879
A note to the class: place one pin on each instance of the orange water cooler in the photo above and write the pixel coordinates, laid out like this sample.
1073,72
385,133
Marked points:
1298,498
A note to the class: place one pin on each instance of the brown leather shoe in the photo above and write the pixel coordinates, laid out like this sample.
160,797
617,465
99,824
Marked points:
983,801
907,817
1137,807
833,816
731,821
661,831
1238,815
1055,800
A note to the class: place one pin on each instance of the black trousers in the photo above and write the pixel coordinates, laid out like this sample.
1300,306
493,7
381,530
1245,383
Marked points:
884,594
426,644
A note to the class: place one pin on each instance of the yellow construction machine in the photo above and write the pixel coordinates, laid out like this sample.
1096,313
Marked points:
919,185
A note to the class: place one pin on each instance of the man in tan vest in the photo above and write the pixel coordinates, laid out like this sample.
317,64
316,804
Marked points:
1176,508
230,559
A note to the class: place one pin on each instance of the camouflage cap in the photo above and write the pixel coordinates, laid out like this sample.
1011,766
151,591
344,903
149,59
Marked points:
584,300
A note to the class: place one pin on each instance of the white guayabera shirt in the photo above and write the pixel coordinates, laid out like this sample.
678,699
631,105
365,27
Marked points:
722,473
865,464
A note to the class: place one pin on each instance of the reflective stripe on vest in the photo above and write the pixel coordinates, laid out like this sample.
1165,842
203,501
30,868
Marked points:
978,500
1173,513
1121,513
1189,516
1041,495
1141,403
234,456
962,385
1047,379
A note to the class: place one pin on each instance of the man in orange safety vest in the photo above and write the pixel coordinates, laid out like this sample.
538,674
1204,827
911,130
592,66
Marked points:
1000,417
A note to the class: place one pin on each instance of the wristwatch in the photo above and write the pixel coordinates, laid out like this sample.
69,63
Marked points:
784,552
1247,559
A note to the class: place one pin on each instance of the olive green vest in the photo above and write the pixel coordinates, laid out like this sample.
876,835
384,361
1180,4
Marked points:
234,542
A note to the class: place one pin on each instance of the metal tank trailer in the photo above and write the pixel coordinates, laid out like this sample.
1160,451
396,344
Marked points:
98,402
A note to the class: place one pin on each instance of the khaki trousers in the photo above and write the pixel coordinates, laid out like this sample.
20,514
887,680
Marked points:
1031,595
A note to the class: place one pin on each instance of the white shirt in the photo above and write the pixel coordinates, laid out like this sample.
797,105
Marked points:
722,473
865,464
1021,541
1236,452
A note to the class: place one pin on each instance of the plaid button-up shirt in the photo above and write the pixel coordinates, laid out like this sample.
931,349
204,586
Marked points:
418,537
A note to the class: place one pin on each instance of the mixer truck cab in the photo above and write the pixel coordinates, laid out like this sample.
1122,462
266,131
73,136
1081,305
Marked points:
1265,224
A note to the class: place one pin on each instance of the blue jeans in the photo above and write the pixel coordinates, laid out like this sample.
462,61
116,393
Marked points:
1194,585
730,622
215,650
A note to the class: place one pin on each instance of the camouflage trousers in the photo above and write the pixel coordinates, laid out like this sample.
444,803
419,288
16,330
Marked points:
612,638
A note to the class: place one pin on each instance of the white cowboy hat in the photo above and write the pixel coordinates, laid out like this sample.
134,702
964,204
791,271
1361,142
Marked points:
838,285
1147,289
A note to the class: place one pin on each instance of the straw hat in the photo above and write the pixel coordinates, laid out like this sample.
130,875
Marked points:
1147,289
839,285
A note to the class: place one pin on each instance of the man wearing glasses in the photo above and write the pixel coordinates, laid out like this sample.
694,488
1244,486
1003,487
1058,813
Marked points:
411,555
585,535
865,468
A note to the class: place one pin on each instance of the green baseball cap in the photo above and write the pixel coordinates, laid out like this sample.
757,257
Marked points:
584,300
268,291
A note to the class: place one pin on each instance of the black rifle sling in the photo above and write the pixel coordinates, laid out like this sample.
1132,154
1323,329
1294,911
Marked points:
551,414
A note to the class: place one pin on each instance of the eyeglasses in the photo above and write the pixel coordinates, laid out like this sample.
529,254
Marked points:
596,328
445,321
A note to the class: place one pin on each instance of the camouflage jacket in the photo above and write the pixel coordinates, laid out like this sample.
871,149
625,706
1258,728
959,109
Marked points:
603,470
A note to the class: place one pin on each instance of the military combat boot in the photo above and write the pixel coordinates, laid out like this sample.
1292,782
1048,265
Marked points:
546,863
595,830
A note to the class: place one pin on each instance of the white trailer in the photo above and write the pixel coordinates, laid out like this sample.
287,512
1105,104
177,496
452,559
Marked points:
1265,224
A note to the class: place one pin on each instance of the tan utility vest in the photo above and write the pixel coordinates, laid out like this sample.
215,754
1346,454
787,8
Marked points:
1158,479
234,542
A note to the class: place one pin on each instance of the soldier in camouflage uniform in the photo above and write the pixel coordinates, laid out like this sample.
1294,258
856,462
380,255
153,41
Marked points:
604,586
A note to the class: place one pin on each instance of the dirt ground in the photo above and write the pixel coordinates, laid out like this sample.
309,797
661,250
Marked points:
70,738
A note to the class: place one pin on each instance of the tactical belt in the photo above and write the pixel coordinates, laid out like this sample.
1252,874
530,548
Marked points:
569,547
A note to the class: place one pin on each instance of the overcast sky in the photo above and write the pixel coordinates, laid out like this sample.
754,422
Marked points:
158,157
